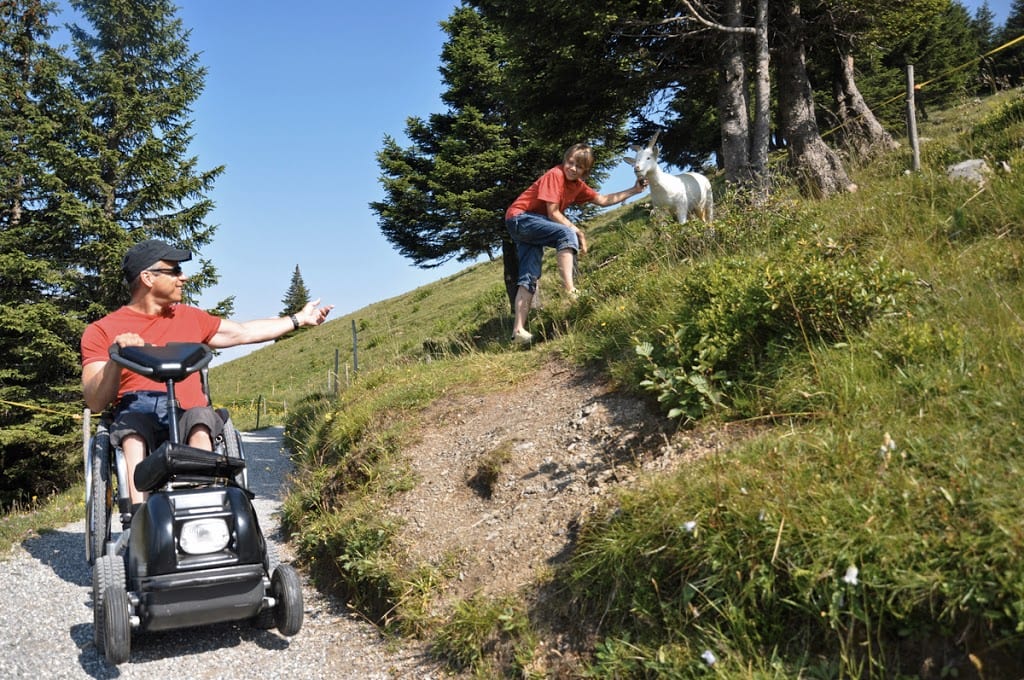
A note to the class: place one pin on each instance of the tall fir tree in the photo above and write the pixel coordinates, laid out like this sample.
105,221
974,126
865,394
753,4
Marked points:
446,194
40,319
138,80
94,158
1010,62
297,296
984,26
1014,26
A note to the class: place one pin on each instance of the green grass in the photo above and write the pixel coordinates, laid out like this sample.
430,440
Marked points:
879,333
44,514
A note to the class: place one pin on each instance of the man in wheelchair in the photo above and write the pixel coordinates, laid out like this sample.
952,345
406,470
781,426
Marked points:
155,315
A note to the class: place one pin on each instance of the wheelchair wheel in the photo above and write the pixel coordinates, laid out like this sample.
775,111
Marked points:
107,571
233,449
100,501
117,625
287,590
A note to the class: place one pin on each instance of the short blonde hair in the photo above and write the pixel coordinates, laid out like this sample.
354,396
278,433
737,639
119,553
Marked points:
585,153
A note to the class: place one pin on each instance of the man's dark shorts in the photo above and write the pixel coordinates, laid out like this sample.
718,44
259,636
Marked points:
145,414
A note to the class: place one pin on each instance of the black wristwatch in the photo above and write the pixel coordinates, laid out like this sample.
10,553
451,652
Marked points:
295,321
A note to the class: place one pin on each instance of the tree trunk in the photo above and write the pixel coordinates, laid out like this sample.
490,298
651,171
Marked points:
732,101
762,97
862,133
818,167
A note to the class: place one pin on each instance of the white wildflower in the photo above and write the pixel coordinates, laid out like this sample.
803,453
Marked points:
851,575
709,657
887,447
689,527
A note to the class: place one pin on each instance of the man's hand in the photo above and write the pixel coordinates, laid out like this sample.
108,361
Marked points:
129,340
311,315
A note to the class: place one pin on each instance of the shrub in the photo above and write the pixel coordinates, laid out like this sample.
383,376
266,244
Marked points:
739,315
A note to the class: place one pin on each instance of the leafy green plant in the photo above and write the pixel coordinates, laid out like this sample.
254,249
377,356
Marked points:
740,314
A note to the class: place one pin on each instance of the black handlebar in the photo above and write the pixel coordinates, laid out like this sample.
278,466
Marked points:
167,364
173,361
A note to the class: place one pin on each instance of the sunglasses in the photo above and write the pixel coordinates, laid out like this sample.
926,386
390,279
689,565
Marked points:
170,271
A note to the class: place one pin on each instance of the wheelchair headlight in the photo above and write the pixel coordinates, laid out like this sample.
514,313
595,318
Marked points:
204,536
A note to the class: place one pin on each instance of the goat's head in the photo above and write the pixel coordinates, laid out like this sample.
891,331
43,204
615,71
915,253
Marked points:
646,159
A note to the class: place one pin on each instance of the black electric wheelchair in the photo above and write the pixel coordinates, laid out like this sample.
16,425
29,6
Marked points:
192,554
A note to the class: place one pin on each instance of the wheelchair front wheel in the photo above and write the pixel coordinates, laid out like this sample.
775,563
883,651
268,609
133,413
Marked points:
117,629
107,572
287,590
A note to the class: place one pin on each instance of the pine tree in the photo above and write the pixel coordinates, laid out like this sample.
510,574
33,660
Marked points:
447,193
984,26
1014,26
1010,63
93,157
297,296
40,320
137,78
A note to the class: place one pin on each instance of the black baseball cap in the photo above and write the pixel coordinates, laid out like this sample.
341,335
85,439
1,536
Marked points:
142,255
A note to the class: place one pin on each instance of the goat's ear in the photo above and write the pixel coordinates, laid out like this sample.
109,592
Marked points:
629,161
635,149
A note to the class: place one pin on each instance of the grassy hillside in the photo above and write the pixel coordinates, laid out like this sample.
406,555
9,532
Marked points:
874,531
447,317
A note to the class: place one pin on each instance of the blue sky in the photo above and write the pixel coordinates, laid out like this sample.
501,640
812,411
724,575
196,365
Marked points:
298,99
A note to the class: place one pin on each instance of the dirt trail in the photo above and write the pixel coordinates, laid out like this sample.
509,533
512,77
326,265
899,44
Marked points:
565,440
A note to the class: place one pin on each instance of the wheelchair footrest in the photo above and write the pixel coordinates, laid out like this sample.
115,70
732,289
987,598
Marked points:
171,460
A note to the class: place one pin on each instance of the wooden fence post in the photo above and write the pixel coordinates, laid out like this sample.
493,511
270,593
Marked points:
355,348
912,120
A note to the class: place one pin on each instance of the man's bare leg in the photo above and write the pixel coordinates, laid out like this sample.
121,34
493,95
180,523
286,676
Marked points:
134,448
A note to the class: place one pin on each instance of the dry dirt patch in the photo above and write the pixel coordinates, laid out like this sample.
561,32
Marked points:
562,440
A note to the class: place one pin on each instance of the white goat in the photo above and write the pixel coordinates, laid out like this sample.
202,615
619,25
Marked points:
685,194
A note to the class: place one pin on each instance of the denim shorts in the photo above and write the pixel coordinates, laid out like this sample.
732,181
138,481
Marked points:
146,414
532,233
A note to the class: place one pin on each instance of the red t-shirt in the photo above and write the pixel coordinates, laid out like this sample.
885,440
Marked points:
181,324
551,187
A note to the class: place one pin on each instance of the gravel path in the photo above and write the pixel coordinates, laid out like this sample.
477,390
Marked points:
46,616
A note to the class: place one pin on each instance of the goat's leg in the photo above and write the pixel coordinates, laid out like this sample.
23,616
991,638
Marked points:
681,212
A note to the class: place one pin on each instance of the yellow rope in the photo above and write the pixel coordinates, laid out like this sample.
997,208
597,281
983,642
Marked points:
34,407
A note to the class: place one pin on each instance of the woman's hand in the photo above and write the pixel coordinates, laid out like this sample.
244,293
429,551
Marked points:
582,239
